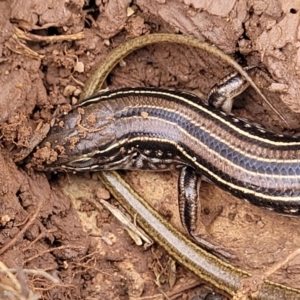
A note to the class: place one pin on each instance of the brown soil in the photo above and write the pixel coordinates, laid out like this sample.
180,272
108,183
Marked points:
49,223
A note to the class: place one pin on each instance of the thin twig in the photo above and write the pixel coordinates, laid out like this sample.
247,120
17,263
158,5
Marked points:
32,272
50,39
50,250
30,222
280,264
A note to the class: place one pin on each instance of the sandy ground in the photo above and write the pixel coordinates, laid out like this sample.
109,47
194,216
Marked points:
47,51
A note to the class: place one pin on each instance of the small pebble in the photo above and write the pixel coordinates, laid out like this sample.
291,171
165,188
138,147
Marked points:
102,193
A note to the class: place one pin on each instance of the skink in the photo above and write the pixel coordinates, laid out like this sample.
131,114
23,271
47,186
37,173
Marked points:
160,129
205,258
